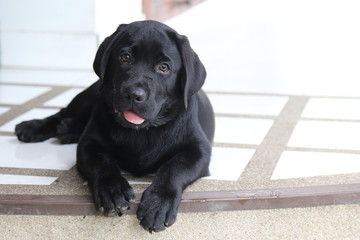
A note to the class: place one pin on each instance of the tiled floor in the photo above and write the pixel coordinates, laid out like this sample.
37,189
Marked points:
247,104
332,108
12,179
297,164
4,109
46,155
231,128
241,130
230,163
323,141
326,135
36,113
62,99
19,94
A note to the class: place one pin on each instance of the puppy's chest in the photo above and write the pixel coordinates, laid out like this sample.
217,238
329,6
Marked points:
143,153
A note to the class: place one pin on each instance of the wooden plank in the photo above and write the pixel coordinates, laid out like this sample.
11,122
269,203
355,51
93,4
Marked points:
192,201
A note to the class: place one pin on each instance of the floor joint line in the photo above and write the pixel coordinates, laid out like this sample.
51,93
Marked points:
261,166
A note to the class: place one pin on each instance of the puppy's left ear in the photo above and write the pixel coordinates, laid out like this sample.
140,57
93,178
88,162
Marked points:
194,71
103,53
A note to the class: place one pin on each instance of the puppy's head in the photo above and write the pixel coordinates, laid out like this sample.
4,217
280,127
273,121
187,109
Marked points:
148,74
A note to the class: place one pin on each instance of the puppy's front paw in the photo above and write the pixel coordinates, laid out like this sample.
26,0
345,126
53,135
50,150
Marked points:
158,208
34,130
113,196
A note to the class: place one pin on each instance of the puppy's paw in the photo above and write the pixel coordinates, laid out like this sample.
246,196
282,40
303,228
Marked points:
158,208
34,130
113,197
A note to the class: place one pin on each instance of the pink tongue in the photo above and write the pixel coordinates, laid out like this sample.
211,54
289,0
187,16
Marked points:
133,117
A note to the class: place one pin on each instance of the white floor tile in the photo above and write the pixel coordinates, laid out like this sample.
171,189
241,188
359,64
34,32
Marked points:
139,183
228,163
241,130
332,108
245,104
334,84
4,110
242,84
325,134
19,94
44,155
294,164
64,99
46,77
35,113
130,182
25,180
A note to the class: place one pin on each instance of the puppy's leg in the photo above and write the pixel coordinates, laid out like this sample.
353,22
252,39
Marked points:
159,202
67,124
112,193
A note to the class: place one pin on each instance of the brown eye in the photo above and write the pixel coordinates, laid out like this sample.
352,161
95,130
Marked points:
126,57
164,67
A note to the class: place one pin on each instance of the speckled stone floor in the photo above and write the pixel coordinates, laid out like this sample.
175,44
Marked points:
329,222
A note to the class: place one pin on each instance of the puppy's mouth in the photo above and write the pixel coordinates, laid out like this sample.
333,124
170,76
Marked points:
130,119
133,118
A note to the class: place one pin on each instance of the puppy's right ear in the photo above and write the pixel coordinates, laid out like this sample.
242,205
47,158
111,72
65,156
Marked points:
103,53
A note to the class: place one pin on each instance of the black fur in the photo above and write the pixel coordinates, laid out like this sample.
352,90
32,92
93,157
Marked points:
148,68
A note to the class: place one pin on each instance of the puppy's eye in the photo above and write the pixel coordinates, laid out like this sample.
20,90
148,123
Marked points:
125,57
164,68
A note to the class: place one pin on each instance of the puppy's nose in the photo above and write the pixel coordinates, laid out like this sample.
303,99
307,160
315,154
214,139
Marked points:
137,95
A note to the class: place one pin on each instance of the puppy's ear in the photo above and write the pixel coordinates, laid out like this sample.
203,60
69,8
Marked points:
194,71
103,53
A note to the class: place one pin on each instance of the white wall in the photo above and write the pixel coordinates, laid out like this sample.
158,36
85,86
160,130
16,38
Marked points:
110,13
47,15
59,34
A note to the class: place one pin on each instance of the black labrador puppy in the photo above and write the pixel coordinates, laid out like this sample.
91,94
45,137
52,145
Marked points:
146,114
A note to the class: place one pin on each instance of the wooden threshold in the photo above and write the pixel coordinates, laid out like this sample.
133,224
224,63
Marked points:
192,201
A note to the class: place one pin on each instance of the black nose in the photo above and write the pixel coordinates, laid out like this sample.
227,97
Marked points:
136,95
